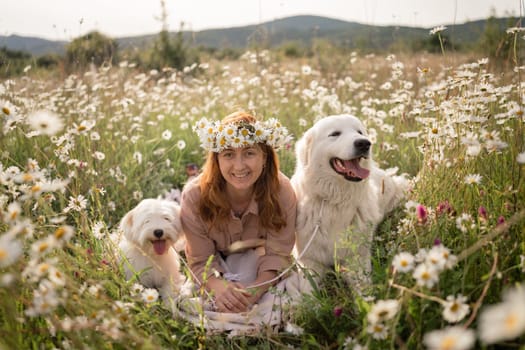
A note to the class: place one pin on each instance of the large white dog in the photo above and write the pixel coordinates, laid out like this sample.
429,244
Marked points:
150,231
342,192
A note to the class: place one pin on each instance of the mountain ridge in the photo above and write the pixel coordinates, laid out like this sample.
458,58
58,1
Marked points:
301,28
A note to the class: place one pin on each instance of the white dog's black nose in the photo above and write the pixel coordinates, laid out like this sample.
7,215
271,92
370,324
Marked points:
362,145
158,233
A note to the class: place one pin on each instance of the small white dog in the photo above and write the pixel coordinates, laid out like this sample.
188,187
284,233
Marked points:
150,231
343,192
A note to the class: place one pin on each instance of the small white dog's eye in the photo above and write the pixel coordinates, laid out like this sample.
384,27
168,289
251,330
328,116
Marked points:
166,218
335,133
360,132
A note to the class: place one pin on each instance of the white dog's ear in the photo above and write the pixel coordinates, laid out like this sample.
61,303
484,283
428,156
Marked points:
302,149
126,223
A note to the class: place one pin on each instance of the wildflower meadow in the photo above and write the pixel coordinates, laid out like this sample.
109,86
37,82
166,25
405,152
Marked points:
78,151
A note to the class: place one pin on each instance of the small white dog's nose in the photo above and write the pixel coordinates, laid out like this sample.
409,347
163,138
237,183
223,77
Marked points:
158,233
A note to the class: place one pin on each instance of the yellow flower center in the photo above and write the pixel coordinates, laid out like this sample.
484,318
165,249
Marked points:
27,177
378,328
511,321
454,307
60,232
382,314
43,247
3,254
6,110
448,343
43,268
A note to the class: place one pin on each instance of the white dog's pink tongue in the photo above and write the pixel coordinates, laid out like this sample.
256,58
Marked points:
353,167
159,246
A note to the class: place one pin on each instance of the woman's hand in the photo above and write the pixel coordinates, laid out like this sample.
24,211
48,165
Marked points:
229,296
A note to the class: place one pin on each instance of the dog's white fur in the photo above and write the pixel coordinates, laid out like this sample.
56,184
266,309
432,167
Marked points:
153,222
347,211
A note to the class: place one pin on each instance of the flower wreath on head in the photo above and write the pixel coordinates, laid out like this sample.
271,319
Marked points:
216,137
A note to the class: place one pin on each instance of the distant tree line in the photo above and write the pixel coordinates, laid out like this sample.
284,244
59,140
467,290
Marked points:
173,51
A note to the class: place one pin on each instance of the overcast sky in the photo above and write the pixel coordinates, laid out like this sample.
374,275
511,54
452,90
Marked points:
68,19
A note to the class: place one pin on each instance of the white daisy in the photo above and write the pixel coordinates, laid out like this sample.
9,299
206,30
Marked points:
473,179
440,257
378,330
455,308
403,262
181,144
383,310
451,338
521,158
166,135
45,122
10,250
505,320
426,275
293,329
150,295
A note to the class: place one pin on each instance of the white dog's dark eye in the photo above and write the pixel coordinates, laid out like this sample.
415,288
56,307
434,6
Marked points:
360,132
335,134
166,218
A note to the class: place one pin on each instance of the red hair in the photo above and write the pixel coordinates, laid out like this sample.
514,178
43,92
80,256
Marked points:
214,207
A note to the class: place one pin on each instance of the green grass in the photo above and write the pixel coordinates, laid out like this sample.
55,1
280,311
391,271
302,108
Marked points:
126,112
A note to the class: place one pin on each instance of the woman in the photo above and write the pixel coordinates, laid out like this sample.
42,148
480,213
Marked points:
239,214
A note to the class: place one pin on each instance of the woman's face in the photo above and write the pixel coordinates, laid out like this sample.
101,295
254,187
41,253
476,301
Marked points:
241,167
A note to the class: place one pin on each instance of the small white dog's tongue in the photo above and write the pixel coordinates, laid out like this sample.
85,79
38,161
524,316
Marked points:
352,166
159,246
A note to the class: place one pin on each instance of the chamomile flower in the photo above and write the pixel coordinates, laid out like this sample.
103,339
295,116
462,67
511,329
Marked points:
505,320
150,295
383,310
181,144
403,262
451,338
473,179
293,329
464,222
99,230
521,158
45,122
77,203
56,277
166,135
377,330
99,155
138,157
14,210
440,257
44,246
136,289
437,29
64,233
426,275
455,308
10,250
